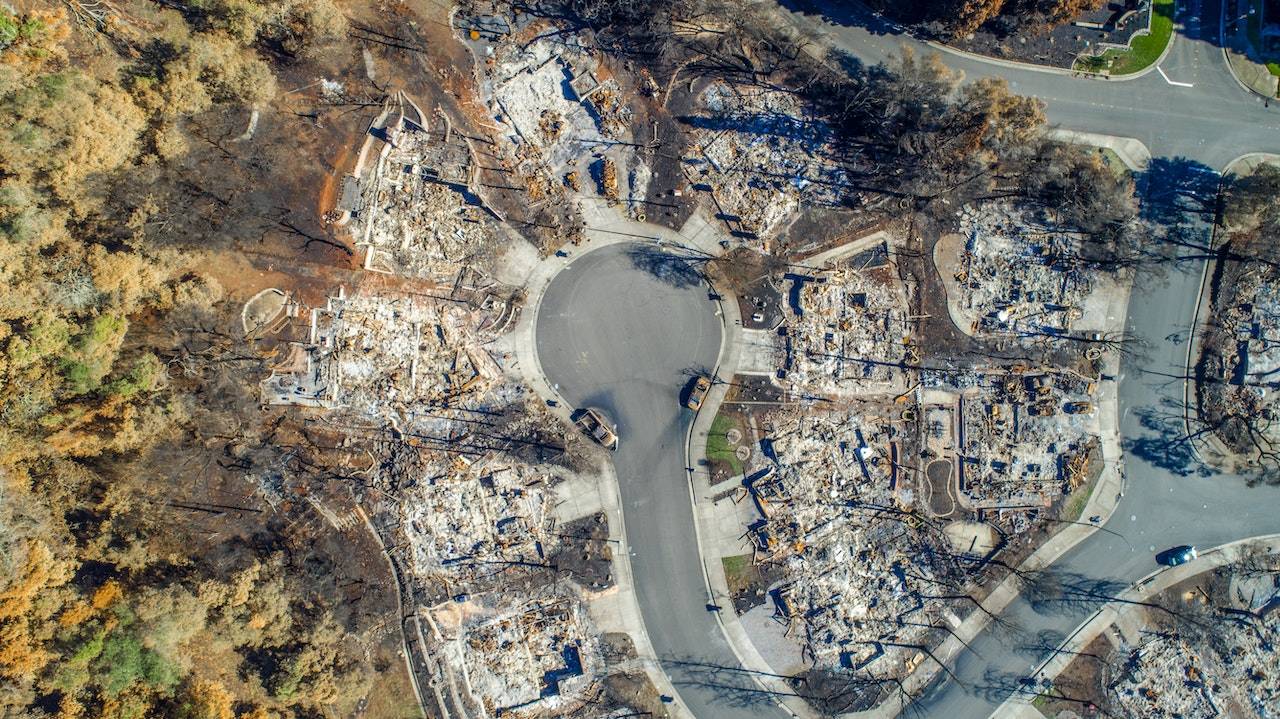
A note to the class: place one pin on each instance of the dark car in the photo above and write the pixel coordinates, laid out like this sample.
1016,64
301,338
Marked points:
1174,556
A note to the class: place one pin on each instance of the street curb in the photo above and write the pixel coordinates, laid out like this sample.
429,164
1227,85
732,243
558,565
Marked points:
1014,64
712,570
706,559
1137,158
1193,344
1139,591
537,281
1067,72
1193,349
1226,57
1231,70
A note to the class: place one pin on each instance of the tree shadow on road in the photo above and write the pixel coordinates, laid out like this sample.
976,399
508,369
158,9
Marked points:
668,268
731,686
1165,443
1059,591
1176,188
830,692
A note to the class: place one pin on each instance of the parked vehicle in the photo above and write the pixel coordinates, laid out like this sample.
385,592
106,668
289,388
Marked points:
1174,556
698,392
592,423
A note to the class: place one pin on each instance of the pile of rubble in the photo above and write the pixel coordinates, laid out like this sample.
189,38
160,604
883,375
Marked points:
1017,276
1166,676
533,658
1242,353
849,332
566,121
758,153
481,514
551,95
880,510
467,504
394,356
861,574
1232,675
411,202
1025,438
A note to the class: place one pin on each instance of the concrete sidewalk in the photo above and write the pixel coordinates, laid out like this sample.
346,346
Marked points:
1131,152
615,609
1142,590
705,513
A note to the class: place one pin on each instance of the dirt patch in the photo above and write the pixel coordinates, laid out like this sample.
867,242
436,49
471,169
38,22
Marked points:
749,582
1082,681
633,690
941,499
585,553
663,154
753,388
617,647
817,229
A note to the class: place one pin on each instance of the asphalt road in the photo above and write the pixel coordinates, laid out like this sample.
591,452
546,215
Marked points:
1212,122
1169,498
613,335
621,329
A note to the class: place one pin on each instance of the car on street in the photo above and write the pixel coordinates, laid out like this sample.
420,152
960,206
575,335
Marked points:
698,392
592,423
1174,556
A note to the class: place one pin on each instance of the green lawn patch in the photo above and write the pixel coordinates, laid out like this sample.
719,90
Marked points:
718,448
1142,52
1113,162
739,572
1076,503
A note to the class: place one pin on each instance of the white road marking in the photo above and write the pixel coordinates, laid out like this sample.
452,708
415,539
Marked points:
1173,82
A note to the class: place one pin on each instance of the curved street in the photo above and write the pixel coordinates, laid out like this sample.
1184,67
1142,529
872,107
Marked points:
1212,122
620,331
1168,500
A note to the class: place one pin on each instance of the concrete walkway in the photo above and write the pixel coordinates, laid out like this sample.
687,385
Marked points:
620,612
1238,51
706,512
1141,591
615,610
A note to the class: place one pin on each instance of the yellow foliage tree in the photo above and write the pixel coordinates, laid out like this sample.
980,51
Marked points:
206,700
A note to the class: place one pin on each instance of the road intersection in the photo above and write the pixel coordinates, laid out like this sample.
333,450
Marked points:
622,327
